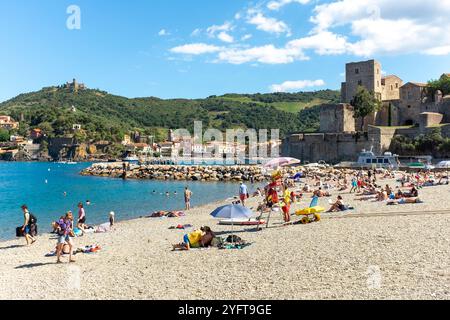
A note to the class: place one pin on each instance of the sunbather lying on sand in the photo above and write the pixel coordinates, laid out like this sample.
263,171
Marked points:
196,239
404,201
169,214
320,193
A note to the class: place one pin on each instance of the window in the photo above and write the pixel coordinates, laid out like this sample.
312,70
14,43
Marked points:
392,87
409,107
359,83
357,70
378,83
368,161
380,160
378,71
396,85
386,160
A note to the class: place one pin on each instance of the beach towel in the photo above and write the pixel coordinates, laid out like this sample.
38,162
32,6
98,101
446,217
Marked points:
181,227
89,249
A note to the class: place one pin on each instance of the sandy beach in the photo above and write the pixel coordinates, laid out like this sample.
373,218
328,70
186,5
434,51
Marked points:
374,252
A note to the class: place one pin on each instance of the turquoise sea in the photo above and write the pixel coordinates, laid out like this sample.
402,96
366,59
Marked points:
42,186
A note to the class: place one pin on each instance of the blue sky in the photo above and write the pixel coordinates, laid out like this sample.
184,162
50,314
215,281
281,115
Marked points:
193,49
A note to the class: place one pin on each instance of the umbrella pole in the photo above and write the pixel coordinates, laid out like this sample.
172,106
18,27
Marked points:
232,227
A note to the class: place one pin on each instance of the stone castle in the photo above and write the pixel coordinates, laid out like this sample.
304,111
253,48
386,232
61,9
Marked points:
74,86
407,109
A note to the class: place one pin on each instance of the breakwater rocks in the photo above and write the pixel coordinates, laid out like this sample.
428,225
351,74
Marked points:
179,173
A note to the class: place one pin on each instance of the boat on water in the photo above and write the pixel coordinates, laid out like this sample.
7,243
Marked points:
421,162
131,159
67,162
443,165
368,159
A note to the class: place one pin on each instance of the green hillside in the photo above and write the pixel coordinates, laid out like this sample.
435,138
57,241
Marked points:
104,116
289,102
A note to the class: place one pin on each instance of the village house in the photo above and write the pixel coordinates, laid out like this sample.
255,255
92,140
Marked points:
7,123
36,133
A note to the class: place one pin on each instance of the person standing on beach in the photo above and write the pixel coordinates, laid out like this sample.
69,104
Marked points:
81,216
29,219
243,193
65,232
187,198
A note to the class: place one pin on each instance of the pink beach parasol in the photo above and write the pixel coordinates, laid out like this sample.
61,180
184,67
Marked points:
281,162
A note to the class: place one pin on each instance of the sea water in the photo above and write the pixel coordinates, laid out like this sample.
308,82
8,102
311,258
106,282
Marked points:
52,189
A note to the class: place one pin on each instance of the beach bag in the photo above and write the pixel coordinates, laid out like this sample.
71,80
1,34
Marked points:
19,232
217,242
233,238
33,219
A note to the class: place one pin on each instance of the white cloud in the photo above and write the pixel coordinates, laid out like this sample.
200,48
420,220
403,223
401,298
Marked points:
163,32
267,24
277,4
438,51
225,37
323,43
289,86
388,27
196,32
227,26
362,28
195,49
268,54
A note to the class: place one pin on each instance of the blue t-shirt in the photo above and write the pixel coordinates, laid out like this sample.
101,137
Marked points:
243,189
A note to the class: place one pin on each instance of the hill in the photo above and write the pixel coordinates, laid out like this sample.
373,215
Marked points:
288,102
104,116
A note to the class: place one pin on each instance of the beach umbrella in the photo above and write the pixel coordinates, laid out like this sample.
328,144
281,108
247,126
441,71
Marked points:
281,162
232,211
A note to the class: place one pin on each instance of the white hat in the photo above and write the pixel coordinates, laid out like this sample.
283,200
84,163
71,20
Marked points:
112,213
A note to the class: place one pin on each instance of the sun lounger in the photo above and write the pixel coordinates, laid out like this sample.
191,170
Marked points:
242,222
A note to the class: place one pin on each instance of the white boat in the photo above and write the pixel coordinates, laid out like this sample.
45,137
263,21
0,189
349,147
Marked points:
368,159
443,165
67,162
132,159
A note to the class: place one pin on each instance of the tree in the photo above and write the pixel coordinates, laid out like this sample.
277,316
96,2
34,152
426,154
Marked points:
443,84
4,135
364,103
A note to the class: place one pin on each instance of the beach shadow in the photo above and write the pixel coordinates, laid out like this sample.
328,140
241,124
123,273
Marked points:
33,265
15,246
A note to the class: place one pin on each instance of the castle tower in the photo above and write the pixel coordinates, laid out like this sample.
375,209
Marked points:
366,74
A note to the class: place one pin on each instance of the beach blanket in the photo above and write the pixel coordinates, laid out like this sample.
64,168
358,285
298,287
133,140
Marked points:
87,249
233,242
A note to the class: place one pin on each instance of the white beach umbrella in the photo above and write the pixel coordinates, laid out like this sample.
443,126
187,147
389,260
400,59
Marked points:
281,162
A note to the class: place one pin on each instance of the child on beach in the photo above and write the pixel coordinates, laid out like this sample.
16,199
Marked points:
65,235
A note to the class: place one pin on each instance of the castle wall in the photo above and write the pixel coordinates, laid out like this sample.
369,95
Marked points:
429,119
330,147
337,118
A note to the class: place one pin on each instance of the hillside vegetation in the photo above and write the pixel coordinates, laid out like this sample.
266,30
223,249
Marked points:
104,116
